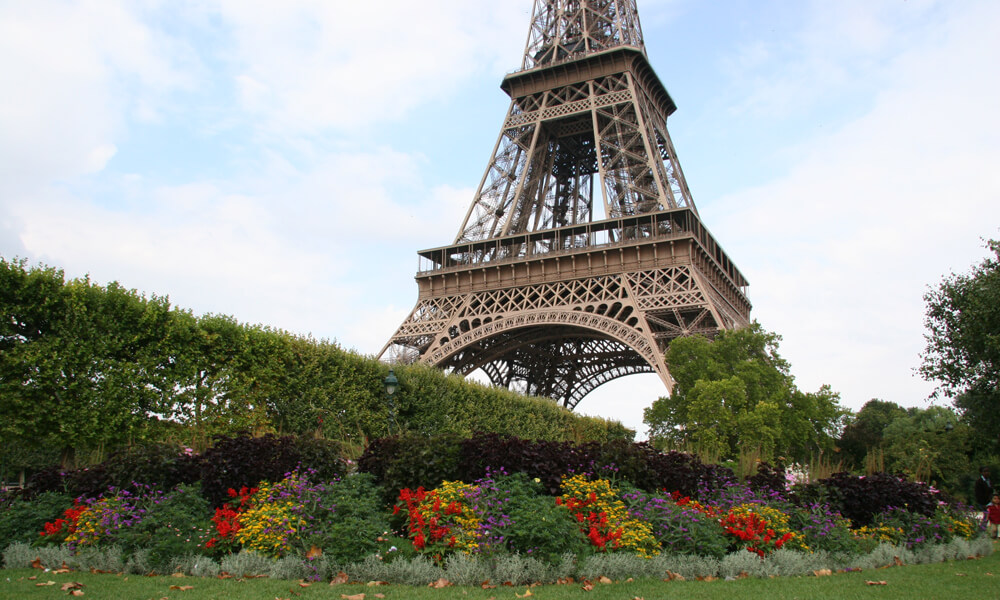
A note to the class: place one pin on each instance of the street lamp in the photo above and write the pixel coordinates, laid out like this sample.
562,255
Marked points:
391,385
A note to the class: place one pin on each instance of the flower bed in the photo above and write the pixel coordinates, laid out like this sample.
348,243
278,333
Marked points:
315,527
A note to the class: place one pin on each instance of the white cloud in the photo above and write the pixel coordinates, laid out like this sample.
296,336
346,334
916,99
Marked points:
839,252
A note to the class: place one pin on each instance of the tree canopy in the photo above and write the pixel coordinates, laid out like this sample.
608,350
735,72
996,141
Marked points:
737,392
963,343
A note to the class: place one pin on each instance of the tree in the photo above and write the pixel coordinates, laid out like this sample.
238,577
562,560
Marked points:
736,392
929,445
80,365
963,343
864,431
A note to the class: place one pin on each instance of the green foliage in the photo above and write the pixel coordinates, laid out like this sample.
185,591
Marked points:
21,518
542,529
864,431
412,460
175,526
80,365
347,520
736,392
963,343
929,445
93,368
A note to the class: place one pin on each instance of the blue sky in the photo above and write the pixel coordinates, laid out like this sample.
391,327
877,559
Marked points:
282,162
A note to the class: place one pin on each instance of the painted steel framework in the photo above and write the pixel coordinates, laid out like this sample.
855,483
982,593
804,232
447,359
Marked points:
582,254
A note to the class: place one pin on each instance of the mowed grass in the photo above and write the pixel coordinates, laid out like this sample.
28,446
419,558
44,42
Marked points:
978,578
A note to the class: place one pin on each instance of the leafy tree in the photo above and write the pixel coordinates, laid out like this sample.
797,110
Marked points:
736,392
864,431
81,365
963,343
929,445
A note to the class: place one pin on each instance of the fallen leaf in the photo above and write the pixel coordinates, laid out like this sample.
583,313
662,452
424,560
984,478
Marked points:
604,580
76,592
341,578
33,577
822,572
708,578
486,585
527,592
629,580
877,582
304,584
897,562
379,595
45,583
353,596
178,574
440,583
587,586
375,583
60,571
72,585
37,563
564,580
182,588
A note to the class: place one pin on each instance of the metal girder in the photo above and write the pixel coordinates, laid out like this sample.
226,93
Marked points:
581,254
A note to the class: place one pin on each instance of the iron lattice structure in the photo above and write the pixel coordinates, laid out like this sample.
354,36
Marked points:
582,254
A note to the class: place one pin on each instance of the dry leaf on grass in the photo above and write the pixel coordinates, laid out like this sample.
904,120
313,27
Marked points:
182,588
76,592
527,592
304,584
33,577
587,586
375,583
486,585
37,563
352,596
382,595
440,583
45,583
72,585
822,572
604,580
877,582
341,578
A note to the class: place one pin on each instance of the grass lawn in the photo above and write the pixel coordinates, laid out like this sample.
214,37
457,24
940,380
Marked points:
978,578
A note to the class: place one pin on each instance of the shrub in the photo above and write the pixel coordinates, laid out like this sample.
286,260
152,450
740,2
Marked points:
153,464
540,528
680,529
346,520
22,519
411,461
243,461
174,527
860,498
822,529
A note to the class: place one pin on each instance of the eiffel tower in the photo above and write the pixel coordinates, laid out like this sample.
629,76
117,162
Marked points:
582,254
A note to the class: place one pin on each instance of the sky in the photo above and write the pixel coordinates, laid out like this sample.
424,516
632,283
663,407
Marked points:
283,162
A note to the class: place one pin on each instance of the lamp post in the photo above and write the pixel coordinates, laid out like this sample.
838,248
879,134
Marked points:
391,385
